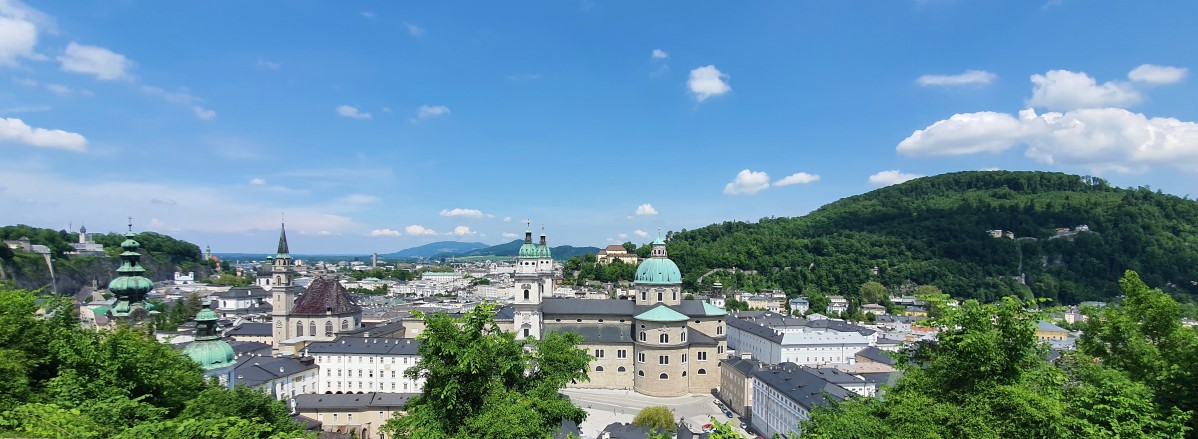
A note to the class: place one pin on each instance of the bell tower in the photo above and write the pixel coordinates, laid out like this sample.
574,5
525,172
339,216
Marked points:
529,287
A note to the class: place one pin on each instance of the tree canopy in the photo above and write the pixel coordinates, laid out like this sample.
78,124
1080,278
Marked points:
657,418
482,382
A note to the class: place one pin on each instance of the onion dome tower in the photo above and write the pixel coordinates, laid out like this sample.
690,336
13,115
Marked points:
213,355
130,288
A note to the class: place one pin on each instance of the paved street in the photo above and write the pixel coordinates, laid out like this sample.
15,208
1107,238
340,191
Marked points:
607,406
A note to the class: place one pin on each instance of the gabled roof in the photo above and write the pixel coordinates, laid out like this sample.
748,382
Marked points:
255,371
1044,325
800,385
595,333
366,346
875,354
662,313
698,338
351,401
250,329
573,306
324,296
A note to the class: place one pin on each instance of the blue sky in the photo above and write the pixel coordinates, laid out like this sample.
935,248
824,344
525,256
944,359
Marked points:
377,126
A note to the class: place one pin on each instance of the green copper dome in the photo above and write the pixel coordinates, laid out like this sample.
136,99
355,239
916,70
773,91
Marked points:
131,287
662,313
208,349
529,250
658,269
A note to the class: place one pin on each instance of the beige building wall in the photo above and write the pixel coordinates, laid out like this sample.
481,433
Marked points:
704,374
364,423
648,379
605,372
736,389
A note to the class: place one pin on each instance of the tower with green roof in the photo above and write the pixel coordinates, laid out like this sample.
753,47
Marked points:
534,280
657,278
131,287
214,355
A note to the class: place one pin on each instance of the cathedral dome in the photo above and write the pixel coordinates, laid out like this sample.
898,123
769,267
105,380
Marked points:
658,269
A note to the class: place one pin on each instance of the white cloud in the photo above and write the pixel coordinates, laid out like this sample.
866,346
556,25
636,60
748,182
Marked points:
472,213
203,114
17,39
351,112
1066,90
887,178
706,82
367,14
509,235
257,182
58,89
622,235
1098,139
970,77
507,219
463,231
747,182
418,230
267,64
94,60
640,233
427,111
660,54
385,232
646,209
799,178
966,133
13,130
1157,75
359,199
414,30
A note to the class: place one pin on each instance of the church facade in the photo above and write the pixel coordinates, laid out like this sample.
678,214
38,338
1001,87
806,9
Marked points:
657,344
300,316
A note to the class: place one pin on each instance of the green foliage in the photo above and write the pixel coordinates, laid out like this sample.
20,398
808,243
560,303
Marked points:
62,381
59,241
481,382
580,269
817,302
656,418
986,377
873,292
226,279
378,273
933,231
175,251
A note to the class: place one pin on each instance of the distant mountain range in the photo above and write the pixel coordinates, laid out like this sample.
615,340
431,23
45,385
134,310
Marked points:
561,252
435,249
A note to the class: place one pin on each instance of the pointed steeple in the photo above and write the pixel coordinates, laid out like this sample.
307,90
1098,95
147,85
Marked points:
283,252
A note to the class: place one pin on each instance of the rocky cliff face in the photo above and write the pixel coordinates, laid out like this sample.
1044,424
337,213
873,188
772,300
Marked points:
29,271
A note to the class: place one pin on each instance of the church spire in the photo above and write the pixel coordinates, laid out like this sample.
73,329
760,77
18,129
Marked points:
528,232
130,288
283,252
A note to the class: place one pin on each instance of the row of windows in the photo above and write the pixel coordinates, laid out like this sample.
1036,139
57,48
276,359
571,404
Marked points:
328,327
368,386
349,373
620,353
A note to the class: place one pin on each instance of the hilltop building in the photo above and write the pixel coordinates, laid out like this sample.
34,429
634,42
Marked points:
301,316
85,246
616,252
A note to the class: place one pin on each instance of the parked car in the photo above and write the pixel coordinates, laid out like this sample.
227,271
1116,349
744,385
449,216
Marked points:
729,413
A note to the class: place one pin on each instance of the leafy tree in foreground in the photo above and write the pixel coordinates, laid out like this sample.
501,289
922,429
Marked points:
481,382
986,377
656,418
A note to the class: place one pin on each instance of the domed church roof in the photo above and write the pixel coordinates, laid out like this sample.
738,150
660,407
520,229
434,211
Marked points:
658,269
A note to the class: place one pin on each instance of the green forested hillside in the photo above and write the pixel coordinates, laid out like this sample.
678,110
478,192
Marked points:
934,230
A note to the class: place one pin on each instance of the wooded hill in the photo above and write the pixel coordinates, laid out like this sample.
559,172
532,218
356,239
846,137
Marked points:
935,230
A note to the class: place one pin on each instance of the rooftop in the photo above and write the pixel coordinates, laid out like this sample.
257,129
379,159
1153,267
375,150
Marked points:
326,296
351,402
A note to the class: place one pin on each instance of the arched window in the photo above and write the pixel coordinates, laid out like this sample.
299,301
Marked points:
299,329
664,338
644,296
328,328
598,368
312,327
525,294
684,373
640,372
701,371
622,369
683,334
344,324
642,335
663,376
660,296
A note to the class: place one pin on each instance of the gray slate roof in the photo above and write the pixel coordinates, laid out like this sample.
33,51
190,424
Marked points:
588,307
247,292
696,338
351,401
800,385
595,333
250,329
746,367
365,346
256,371
875,354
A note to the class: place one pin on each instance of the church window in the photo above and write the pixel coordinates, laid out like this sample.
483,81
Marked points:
640,372
598,353
525,294
621,353
684,358
664,338
328,328
719,330
642,335
299,329
644,296
660,296
663,376
526,333
719,349
702,355
675,294
701,371
312,328
640,357
663,359
344,324
622,369
598,368
683,334
684,373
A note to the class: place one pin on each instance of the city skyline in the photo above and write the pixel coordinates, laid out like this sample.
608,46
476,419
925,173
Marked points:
377,127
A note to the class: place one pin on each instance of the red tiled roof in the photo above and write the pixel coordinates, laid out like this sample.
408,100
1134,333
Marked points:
326,295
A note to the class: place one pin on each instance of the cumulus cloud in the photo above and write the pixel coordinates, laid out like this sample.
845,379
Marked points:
970,77
463,231
646,209
428,111
102,63
747,183
1157,75
887,178
799,178
640,233
257,182
622,235
385,232
13,130
18,35
1098,139
180,97
1066,90
203,114
414,30
660,54
418,230
352,112
967,133
507,219
470,213
707,81
359,199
